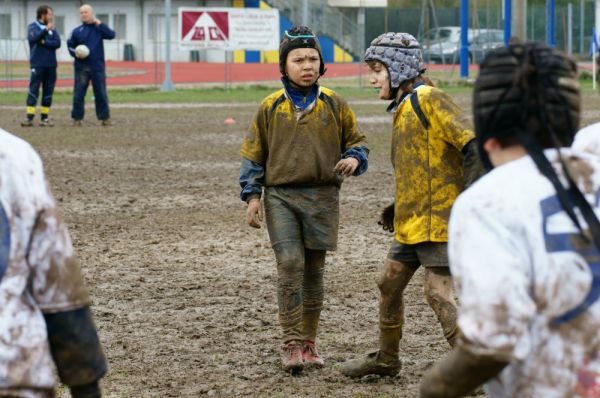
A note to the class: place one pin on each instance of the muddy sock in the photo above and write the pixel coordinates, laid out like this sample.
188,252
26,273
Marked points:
389,342
290,272
312,292
394,276
310,324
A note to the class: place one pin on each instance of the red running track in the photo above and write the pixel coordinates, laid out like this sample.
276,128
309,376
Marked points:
149,73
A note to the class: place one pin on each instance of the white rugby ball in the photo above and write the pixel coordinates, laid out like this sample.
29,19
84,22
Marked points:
82,51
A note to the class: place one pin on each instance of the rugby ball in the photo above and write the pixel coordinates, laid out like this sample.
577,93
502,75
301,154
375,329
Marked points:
82,51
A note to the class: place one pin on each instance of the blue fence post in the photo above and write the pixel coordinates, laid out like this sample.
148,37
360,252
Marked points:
507,21
464,38
550,23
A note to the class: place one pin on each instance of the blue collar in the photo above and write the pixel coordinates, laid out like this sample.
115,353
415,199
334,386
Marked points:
298,98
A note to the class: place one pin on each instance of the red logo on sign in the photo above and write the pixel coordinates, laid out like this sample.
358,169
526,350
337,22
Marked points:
205,26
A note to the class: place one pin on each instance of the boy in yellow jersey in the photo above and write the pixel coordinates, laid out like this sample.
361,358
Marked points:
433,153
301,144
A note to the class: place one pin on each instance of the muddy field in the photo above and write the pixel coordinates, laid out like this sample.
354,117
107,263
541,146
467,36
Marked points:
184,292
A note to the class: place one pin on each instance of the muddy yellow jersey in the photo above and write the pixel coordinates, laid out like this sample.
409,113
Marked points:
427,165
301,147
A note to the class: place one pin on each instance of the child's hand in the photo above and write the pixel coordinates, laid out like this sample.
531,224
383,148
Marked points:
254,213
386,219
346,167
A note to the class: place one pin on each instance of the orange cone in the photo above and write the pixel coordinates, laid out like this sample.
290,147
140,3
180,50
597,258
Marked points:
229,121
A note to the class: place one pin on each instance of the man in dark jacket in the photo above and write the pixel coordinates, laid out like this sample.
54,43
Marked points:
91,34
44,40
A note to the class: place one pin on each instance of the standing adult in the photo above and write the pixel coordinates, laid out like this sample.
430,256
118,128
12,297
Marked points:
44,40
91,67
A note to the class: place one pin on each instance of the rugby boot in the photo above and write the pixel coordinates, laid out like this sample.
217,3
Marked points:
384,362
372,364
27,123
291,357
310,355
46,123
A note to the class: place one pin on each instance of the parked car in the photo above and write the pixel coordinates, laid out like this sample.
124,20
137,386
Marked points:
442,45
485,41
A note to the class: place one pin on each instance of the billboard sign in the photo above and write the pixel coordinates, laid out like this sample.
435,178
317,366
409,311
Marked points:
228,29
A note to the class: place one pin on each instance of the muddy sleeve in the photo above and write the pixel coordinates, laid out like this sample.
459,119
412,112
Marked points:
448,120
253,147
351,135
459,374
360,153
56,282
75,348
496,307
251,179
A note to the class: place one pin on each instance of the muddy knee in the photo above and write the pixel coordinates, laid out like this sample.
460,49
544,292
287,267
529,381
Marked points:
392,280
394,276
290,272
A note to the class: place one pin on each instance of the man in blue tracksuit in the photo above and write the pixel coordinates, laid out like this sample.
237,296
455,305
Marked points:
90,33
44,40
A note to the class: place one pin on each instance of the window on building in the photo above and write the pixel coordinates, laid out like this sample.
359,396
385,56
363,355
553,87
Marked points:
5,26
104,18
59,24
120,25
156,27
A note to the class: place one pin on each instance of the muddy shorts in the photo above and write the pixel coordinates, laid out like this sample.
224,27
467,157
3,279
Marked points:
428,254
303,214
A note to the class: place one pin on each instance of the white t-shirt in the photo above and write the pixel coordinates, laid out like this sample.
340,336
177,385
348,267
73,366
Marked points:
38,271
518,263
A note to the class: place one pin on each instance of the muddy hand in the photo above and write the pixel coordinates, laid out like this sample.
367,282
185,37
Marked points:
386,218
254,213
346,167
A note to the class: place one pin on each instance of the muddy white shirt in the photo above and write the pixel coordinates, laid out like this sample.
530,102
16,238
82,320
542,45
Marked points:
38,272
518,263
588,139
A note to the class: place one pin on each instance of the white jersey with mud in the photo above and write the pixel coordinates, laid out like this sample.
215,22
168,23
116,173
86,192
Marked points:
522,268
38,272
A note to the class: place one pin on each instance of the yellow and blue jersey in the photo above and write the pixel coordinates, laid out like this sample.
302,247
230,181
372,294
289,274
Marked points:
293,143
428,165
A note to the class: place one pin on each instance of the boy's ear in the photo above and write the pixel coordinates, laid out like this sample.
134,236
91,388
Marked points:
491,144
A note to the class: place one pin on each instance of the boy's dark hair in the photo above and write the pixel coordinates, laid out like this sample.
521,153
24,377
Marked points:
530,90
299,37
530,93
43,10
